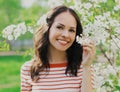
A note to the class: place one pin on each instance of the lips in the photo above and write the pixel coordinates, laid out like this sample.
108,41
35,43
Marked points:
62,42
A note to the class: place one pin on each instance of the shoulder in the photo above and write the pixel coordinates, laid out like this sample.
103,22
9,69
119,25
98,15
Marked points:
27,65
25,71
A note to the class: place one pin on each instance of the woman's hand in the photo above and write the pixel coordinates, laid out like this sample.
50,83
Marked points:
88,53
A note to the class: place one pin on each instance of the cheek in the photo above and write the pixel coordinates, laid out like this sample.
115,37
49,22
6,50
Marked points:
73,36
52,34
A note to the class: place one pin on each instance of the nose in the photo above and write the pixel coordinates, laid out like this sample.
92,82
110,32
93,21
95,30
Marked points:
65,33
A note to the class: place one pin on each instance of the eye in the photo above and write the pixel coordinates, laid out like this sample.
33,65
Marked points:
72,30
60,27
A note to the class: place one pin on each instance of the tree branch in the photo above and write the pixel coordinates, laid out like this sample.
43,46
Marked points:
109,60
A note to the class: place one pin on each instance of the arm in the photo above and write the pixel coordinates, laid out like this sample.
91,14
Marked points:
87,80
87,74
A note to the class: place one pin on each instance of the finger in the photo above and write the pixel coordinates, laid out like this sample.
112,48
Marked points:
89,49
87,40
92,43
90,46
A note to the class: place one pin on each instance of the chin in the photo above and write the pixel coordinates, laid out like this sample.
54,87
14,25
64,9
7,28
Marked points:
62,49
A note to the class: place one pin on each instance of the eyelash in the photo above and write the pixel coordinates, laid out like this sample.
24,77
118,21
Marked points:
71,30
61,28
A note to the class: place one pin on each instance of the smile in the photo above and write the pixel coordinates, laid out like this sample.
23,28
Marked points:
62,42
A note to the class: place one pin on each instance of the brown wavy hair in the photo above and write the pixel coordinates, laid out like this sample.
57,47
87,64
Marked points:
41,43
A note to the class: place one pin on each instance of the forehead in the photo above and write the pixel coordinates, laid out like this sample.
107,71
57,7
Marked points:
66,18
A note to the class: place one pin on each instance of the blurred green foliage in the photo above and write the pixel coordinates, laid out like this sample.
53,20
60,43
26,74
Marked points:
10,72
11,12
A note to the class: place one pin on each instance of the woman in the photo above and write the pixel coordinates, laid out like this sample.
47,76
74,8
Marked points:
60,63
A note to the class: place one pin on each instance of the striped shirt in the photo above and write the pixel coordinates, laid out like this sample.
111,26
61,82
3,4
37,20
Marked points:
55,81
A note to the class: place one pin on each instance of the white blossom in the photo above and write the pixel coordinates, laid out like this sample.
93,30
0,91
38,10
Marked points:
117,7
79,39
83,40
106,14
111,70
98,1
12,32
87,5
103,72
42,22
104,1
117,30
54,3
114,23
119,80
22,27
30,29
16,33
10,37
8,30
69,1
99,81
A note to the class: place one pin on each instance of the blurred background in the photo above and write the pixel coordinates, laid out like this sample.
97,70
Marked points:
20,18
13,53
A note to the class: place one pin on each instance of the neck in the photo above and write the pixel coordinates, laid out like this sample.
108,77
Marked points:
56,56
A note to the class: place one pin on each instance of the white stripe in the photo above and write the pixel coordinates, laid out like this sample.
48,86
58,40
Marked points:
65,90
70,86
58,83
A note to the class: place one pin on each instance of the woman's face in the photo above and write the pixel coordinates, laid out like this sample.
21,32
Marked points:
63,31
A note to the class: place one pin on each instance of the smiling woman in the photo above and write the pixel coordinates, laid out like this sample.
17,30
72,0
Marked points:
60,64
62,32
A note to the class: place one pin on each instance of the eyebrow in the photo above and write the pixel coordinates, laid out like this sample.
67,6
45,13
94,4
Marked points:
64,26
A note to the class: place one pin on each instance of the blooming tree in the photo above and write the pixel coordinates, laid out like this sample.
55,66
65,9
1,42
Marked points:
101,23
